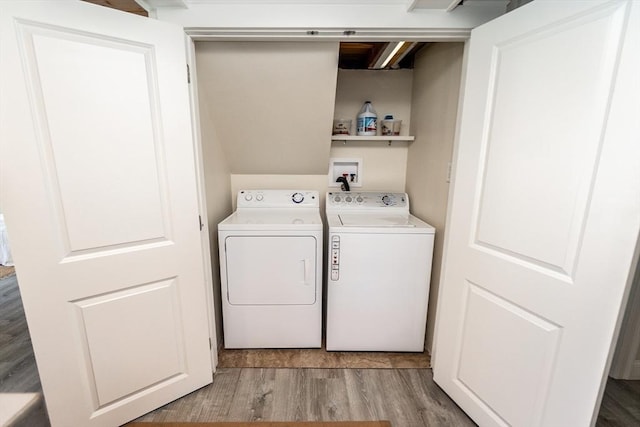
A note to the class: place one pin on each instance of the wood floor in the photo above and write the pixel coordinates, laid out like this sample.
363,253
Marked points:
18,371
406,397
320,358
620,405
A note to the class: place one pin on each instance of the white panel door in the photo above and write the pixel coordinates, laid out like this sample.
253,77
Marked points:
99,192
545,212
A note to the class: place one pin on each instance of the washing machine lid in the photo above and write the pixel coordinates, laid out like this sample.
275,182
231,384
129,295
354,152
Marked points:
374,222
381,220
273,219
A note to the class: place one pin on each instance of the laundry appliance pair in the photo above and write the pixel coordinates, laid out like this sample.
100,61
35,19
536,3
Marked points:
378,271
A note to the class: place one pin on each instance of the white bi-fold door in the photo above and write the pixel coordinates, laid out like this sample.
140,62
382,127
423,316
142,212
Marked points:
544,215
100,197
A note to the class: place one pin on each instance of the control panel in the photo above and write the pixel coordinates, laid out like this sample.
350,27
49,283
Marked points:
366,200
278,199
335,258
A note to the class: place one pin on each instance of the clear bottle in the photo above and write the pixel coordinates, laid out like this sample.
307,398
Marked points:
367,120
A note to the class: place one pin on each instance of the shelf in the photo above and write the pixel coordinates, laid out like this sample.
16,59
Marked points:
386,138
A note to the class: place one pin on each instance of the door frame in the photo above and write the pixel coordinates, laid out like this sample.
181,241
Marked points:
213,34
202,199
426,35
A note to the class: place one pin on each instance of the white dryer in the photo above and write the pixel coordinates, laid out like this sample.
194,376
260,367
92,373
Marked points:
378,273
271,270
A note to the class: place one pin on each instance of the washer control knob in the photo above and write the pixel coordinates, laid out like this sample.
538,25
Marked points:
248,197
359,199
337,199
348,199
386,200
297,197
259,197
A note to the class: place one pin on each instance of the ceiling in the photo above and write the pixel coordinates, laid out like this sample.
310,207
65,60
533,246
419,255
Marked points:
353,55
367,55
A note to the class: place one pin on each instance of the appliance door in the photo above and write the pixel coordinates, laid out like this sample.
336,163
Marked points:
271,270
379,301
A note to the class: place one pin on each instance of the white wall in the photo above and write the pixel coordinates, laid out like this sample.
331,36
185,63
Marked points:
271,103
384,166
436,85
388,90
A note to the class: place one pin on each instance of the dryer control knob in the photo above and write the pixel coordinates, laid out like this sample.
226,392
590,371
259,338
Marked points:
248,197
386,200
297,197
259,197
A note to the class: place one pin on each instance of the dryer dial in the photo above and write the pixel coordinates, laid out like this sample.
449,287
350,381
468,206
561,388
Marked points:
297,197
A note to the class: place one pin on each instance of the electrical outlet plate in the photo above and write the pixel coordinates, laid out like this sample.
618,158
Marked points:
339,166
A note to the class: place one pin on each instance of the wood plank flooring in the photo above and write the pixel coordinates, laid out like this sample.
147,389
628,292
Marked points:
620,405
18,373
407,397
319,358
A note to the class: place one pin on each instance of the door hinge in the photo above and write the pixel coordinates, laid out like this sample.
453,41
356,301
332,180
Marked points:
200,222
188,74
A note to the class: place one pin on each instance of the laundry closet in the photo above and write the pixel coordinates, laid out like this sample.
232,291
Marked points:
108,126
266,113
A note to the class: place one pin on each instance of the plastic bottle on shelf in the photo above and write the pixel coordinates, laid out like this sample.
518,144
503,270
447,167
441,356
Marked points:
367,120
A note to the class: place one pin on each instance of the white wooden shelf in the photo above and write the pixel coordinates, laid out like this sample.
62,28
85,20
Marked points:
385,138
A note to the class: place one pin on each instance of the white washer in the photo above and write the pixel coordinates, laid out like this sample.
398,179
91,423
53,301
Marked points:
271,270
378,273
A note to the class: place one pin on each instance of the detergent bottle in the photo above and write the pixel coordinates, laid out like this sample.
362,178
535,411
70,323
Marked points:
367,120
